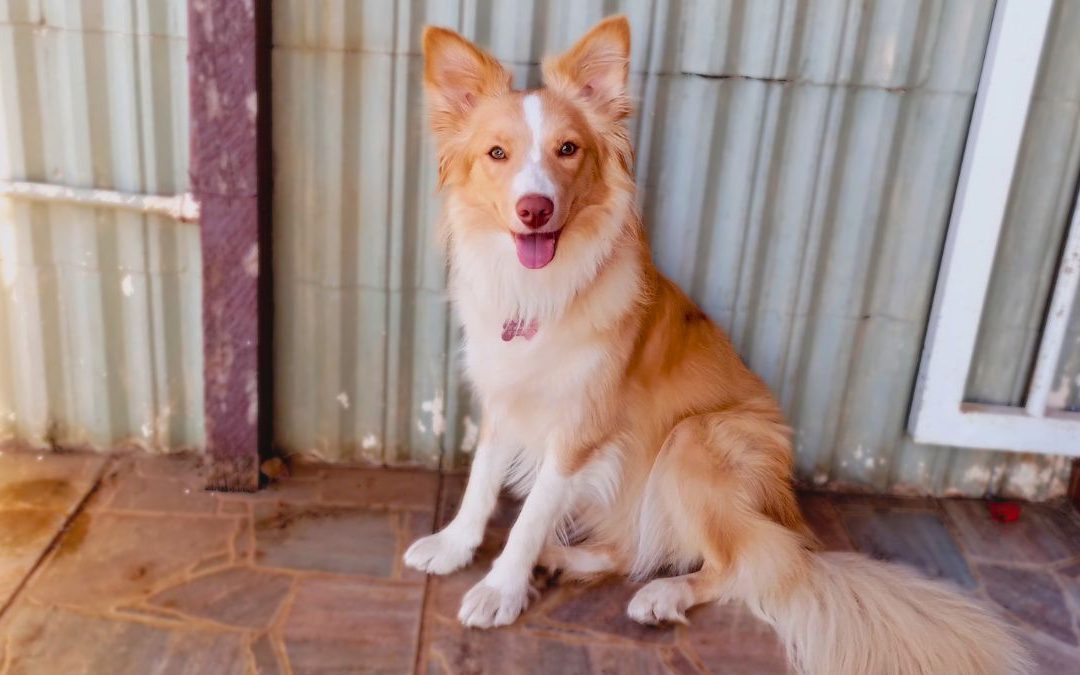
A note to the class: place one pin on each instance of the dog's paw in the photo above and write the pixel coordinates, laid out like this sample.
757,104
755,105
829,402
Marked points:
659,601
487,605
439,553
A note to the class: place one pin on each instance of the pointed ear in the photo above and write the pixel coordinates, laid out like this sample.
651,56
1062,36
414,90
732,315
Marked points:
595,70
457,74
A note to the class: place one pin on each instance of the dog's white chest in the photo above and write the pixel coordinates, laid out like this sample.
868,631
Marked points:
543,368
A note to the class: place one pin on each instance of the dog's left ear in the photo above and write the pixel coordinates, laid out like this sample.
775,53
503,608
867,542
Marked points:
595,70
457,74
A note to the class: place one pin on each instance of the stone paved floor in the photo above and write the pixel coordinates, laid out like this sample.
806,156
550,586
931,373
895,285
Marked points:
124,565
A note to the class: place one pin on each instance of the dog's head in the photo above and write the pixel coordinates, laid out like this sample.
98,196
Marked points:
537,168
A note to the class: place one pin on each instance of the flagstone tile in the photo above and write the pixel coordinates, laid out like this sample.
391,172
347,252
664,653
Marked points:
601,609
353,625
1045,533
172,484
237,596
728,639
920,540
1033,596
109,559
55,640
343,540
380,489
38,494
824,519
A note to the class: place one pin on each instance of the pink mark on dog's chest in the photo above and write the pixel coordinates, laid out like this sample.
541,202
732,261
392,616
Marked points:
517,328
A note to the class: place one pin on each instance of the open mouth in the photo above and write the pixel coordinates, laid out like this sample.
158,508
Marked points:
536,249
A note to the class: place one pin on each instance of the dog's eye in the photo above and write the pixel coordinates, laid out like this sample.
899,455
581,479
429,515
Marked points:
567,149
497,153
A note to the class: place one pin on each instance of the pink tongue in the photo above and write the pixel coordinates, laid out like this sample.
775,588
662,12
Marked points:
536,250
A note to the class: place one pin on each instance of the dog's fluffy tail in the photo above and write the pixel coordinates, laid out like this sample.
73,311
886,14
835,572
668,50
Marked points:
849,614
719,491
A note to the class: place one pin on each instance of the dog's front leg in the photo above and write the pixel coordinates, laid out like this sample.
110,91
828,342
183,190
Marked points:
504,592
453,546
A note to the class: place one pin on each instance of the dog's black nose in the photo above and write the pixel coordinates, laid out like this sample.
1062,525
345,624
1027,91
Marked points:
535,210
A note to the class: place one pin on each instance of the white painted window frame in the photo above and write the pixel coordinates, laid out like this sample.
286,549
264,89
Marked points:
939,413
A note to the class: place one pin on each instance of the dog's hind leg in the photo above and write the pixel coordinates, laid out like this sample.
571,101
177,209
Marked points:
719,492
668,599
578,563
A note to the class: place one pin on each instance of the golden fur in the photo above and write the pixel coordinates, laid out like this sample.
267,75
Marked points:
663,450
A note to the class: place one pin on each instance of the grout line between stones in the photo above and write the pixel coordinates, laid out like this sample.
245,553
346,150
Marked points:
425,598
60,532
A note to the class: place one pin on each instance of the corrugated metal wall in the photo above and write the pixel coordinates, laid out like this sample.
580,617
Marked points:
100,324
797,160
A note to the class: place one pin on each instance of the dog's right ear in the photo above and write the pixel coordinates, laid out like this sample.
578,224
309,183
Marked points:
595,70
457,74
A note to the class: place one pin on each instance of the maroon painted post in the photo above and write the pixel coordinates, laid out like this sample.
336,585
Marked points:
1074,484
228,46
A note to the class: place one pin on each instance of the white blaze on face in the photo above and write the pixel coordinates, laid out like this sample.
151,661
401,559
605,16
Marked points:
532,179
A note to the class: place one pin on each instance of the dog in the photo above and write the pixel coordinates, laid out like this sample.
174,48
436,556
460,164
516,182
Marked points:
617,409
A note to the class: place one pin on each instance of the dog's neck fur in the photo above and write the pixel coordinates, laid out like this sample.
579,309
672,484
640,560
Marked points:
491,287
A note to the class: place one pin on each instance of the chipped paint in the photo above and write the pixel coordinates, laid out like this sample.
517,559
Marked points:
1030,479
977,474
471,436
369,442
434,407
158,425
343,400
996,474
1059,483
314,454
9,252
251,390
213,100
127,286
1058,398
1026,479
250,263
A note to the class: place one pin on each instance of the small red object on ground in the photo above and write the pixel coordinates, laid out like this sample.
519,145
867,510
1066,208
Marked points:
1004,512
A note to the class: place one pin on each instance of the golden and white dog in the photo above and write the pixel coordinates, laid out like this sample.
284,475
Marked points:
618,410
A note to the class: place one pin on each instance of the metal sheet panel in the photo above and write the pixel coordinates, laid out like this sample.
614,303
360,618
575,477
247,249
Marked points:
100,329
1066,392
797,164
